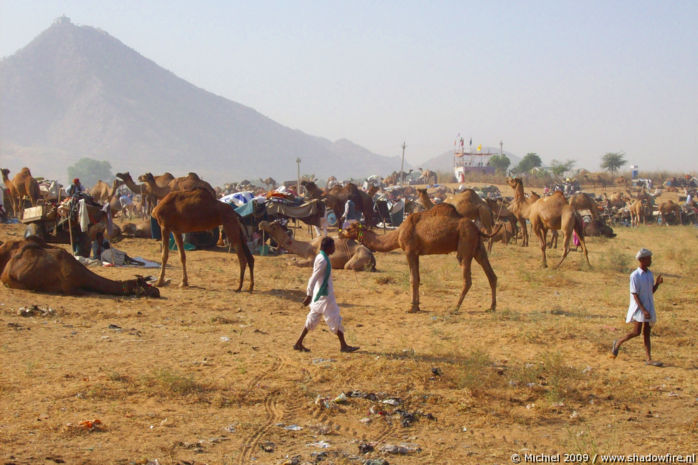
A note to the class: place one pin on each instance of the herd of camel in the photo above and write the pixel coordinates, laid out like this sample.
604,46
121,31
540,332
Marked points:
189,204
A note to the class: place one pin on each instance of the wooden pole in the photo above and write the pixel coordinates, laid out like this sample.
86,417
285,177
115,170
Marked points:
70,227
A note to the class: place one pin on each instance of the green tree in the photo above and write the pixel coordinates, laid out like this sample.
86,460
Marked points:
527,163
559,168
500,163
613,161
89,171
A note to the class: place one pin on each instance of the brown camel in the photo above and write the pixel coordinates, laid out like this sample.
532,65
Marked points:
584,201
554,213
197,210
140,229
103,192
336,197
637,212
670,213
427,177
521,207
470,205
424,199
12,190
372,191
348,254
24,186
440,230
33,265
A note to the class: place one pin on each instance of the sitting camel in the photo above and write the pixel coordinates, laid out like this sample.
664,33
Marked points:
348,254
198,210
140,229
33,265
336,197
555,213
440,230
424,199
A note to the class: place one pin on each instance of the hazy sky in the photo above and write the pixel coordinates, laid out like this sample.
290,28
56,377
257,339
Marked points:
564,79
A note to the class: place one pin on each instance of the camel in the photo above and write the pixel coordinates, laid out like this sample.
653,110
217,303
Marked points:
12,189
103,192
372,191
521,207
337,196
26,186
440,230
555,213
470,205
348,254
427,177
621,181
637,212
33,265
143,189
594,178
616,200
198,210
670,213
584,201
186,183
140,229
424,199
269,182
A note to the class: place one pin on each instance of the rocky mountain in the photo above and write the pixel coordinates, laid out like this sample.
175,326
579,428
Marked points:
76,92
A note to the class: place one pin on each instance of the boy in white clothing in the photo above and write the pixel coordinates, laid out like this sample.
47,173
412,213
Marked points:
320,297
641,311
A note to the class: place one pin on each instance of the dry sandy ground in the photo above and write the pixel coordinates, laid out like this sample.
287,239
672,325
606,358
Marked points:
205,375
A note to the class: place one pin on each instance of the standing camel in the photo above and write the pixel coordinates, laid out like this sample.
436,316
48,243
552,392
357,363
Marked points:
103,192
12,189
521,207
440,230
197,210
555,213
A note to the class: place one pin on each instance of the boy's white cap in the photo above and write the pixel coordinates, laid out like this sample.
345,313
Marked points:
643,253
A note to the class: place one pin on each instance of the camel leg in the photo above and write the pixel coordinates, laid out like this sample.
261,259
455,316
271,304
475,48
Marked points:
484,261
524,233
542,233
235,236
413,262
566,248
179,240
165,255
465,264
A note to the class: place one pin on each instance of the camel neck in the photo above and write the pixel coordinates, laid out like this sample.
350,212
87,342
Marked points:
384,243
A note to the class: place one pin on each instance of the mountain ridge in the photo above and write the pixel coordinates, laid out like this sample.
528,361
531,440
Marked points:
76,91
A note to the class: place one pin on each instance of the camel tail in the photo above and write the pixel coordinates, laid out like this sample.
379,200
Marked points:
579,225
494,233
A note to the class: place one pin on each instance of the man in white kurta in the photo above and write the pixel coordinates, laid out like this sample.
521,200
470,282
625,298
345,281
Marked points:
320,297
641,312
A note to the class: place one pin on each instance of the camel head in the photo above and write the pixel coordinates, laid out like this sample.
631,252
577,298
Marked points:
514,182
275,230
5,172
353,231
124,176
145,289
147,177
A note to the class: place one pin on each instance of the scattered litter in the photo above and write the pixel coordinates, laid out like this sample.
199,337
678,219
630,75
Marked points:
293,428
318,361
407,418
586,370
465,429
91,425
114,327
402,449
35,310
558,404
393,402
365,448
268,446
376,462
225,339
319,444
230,428
362,395
436,371
365,420
375,410
341,399
295,460
574,414
530,406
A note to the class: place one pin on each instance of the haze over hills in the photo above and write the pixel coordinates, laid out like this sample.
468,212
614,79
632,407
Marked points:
76,92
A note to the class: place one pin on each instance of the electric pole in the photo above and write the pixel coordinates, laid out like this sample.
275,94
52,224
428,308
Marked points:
402,165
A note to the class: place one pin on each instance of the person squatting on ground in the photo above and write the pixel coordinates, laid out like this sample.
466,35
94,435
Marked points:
641,312
320,297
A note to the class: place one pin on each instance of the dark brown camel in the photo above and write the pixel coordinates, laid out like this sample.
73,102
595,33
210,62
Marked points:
33,265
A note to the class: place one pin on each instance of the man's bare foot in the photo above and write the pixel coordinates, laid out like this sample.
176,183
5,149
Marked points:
301,348
349,349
